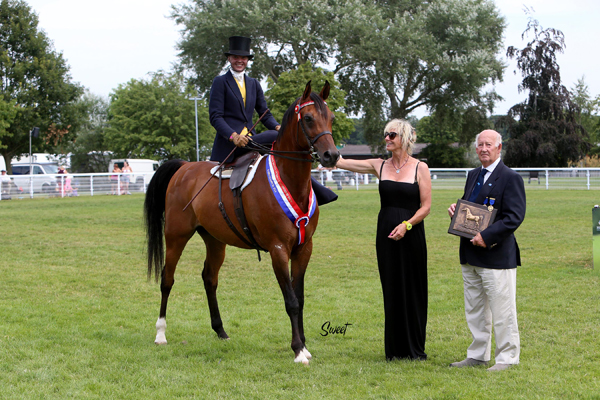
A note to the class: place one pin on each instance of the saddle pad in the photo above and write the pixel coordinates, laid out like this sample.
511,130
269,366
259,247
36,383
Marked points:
227,173
252,172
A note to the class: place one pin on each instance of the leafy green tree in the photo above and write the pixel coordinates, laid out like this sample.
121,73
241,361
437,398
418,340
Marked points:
291,85
451,131
390,57
441,137
357,136
155,119
90,150
543,130
413,53
7,115
443,155
35,78
284,35
588,117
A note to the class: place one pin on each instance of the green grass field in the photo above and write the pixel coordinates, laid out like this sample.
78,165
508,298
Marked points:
77,314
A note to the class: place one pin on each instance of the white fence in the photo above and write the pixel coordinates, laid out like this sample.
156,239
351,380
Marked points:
33,186
454,178
71,185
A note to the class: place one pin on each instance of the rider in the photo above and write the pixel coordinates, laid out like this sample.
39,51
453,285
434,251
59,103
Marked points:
233,98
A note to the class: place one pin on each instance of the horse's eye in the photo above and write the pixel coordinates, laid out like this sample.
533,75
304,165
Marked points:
308,118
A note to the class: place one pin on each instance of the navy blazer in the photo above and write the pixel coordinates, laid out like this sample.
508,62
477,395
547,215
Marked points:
228,114
508,190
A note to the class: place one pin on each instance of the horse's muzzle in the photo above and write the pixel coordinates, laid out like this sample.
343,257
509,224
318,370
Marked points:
329,158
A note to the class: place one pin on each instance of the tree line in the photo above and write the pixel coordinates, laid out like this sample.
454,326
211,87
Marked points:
384,60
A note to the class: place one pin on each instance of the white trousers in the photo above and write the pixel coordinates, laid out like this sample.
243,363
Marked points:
490,298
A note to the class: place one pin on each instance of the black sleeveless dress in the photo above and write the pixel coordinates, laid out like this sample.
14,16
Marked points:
402,270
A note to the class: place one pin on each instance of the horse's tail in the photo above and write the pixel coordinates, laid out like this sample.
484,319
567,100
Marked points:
154,214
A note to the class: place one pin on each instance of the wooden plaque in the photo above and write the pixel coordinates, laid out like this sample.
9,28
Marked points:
469,219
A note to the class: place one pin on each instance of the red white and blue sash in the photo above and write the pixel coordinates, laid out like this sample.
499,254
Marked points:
287,203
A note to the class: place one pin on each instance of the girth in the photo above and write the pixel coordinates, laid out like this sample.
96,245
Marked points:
240,169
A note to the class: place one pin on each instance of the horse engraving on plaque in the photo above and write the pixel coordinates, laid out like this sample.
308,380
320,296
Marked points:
469,219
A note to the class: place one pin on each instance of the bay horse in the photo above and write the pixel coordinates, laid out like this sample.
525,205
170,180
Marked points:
306,128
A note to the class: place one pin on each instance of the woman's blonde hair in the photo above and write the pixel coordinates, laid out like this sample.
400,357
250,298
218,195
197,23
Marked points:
405,131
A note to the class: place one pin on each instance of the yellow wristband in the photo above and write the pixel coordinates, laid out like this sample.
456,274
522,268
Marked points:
408,225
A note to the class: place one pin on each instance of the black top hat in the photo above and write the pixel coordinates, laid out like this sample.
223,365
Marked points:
239,46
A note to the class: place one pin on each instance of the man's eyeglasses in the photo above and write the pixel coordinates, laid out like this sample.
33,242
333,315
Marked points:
392,135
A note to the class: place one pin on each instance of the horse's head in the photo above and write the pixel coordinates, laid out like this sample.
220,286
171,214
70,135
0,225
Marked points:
311,116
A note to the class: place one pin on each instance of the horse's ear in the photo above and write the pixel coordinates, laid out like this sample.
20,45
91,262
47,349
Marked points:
307,92
325,91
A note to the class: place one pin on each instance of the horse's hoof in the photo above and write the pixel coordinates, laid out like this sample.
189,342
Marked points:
301,358
223,335
160,342
161,329
306,353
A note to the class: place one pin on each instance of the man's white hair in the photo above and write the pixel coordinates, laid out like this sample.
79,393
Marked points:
498,137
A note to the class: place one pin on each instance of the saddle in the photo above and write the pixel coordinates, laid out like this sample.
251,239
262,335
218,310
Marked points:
240,173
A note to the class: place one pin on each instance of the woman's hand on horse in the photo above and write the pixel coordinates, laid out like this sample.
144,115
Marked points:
239,140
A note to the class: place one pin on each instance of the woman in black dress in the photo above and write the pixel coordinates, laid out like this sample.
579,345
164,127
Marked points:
405,193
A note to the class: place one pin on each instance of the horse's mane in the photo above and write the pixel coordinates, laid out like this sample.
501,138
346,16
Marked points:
290,113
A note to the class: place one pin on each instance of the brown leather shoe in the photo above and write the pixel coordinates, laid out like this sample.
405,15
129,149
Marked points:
468,362
499,367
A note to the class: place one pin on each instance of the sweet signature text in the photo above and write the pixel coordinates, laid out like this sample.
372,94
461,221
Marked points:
327,329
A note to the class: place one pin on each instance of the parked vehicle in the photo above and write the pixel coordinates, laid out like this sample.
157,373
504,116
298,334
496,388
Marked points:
43,177
143,170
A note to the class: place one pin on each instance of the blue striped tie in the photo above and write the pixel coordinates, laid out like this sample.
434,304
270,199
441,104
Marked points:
478,185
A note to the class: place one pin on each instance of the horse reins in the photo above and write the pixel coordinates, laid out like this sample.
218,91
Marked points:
311,141
223,162
276,153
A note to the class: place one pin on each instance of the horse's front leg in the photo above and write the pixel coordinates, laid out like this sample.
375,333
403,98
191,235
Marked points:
280,259
300,260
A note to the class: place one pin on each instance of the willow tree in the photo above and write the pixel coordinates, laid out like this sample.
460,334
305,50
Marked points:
543,130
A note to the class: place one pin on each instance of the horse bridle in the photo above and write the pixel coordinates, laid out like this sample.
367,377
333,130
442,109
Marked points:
311,141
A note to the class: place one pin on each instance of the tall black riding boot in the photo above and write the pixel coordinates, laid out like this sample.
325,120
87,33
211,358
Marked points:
323,194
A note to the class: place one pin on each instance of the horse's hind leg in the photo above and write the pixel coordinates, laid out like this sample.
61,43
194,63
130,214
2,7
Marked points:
215,254
174,248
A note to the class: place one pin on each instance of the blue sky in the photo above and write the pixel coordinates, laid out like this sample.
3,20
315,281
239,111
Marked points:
108,43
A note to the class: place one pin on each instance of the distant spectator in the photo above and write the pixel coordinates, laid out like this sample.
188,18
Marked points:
114,179
5,181
60,181
125,179
68,188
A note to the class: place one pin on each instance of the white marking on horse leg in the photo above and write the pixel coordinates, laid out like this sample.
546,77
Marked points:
301,358
161,328
306,353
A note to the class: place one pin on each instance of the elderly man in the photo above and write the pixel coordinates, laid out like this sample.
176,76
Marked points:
489,260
